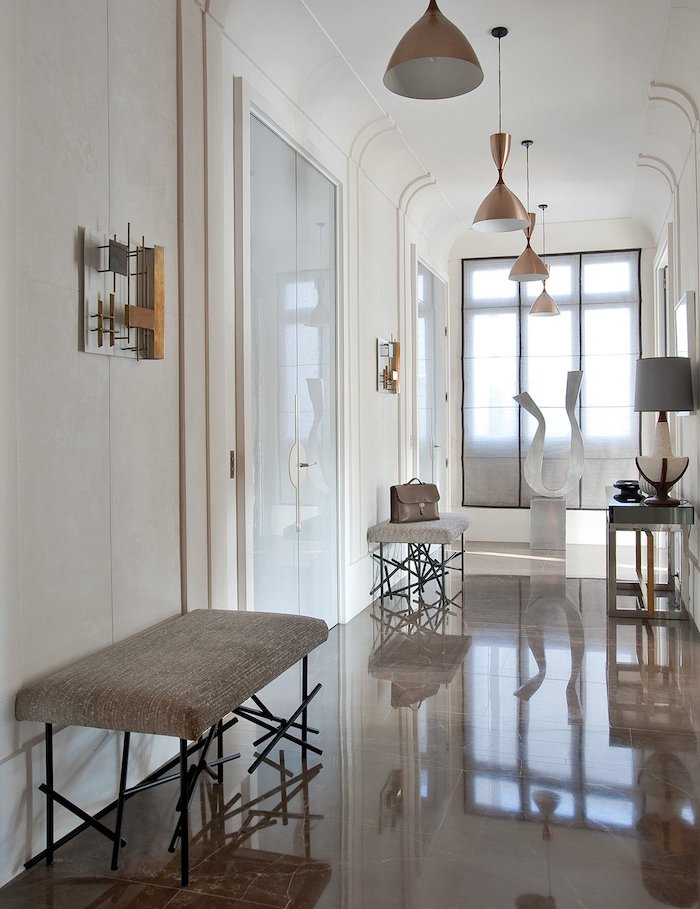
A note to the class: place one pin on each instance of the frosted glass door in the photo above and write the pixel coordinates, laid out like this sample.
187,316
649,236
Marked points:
432,379
293,296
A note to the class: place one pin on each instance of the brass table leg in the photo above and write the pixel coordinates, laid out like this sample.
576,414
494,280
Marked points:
647,589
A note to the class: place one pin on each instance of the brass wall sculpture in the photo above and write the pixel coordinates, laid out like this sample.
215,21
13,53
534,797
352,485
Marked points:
123,297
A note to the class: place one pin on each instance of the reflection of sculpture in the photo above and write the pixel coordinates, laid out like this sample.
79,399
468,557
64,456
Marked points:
532,468
536,617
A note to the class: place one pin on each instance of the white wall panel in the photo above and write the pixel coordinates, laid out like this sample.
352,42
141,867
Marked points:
89,544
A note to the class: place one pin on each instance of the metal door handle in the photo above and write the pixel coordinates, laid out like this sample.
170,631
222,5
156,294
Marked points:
296,442
303,464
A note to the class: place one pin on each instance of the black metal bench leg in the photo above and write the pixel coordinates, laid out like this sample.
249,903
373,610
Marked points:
120,801
184,817
305,698
48,743
220,752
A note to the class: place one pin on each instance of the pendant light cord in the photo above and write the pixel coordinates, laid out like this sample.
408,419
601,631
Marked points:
543,209
499,85
527,174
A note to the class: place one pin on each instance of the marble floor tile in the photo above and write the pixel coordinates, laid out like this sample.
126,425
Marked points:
523,751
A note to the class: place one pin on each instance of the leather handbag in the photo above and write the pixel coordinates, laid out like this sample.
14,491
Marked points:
414,501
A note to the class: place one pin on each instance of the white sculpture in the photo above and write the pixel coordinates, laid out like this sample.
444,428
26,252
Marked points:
532,468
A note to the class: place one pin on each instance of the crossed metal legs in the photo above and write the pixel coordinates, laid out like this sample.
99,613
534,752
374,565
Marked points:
187,774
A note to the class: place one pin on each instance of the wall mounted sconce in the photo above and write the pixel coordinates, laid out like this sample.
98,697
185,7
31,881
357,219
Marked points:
123,297
388,357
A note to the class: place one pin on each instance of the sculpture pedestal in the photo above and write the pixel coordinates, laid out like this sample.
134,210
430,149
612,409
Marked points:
548,523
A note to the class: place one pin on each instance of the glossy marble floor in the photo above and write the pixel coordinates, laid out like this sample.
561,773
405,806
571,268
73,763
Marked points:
524,752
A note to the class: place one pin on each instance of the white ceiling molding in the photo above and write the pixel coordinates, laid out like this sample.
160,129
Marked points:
672,94
663,167
413,188
367,135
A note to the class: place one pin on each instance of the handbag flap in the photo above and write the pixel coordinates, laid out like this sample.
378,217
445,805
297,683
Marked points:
417,493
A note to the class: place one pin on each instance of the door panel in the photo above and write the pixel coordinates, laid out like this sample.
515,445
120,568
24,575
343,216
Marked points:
294,388
432,378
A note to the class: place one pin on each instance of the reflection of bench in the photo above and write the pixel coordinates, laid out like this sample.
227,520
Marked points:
417,664
180,678
420,568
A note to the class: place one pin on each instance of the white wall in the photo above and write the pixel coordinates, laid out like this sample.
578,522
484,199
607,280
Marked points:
90,447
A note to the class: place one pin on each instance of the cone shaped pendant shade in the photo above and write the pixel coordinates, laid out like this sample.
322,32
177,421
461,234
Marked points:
501,210
528,266
433,60
544,305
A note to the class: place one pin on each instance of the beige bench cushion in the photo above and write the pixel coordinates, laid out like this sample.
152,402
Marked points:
178,678
447,529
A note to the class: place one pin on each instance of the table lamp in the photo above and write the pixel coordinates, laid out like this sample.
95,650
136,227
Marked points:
662,384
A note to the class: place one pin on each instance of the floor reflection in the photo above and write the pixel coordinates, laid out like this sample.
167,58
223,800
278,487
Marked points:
523,751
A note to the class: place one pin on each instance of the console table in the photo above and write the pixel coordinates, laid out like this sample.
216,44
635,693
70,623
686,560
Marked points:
646,520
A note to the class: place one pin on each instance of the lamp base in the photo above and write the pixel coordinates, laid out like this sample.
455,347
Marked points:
661,474
661,501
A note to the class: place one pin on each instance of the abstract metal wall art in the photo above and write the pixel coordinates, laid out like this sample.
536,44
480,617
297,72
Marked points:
123,297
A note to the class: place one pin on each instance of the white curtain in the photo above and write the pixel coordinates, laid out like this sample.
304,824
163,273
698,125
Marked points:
505,351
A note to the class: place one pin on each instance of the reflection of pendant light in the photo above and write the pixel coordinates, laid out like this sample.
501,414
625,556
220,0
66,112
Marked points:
501,210
433,60
544,305
546,801
528,266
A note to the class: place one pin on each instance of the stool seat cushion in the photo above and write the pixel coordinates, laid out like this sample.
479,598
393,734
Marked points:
447,529
177,678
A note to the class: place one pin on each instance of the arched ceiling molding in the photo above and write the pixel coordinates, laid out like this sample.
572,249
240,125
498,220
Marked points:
433,215
368,134
389,163
652,199
331,96
672,94
411,190
663,167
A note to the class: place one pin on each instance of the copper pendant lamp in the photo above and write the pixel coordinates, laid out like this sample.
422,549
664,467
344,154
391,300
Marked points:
528,266
433,60
544,305
501,210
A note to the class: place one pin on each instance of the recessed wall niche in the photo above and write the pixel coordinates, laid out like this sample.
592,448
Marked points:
123,297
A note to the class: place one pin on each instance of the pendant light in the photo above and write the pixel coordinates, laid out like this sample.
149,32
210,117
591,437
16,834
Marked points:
528,266
433,60
501,210
544,305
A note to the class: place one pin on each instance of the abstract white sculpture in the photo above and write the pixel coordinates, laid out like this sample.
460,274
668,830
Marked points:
532,468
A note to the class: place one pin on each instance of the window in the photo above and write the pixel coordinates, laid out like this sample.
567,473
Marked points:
504,353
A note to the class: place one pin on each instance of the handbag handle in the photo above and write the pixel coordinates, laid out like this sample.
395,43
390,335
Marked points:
414,480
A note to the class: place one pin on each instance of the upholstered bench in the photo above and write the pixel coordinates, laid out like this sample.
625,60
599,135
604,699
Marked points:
179,678
420,566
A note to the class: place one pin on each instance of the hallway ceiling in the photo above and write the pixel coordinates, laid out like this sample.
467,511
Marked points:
575,80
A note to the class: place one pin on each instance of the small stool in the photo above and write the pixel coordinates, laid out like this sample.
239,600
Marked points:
420,565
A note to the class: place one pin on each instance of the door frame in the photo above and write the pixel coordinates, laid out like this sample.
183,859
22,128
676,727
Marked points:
417,261
246,105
